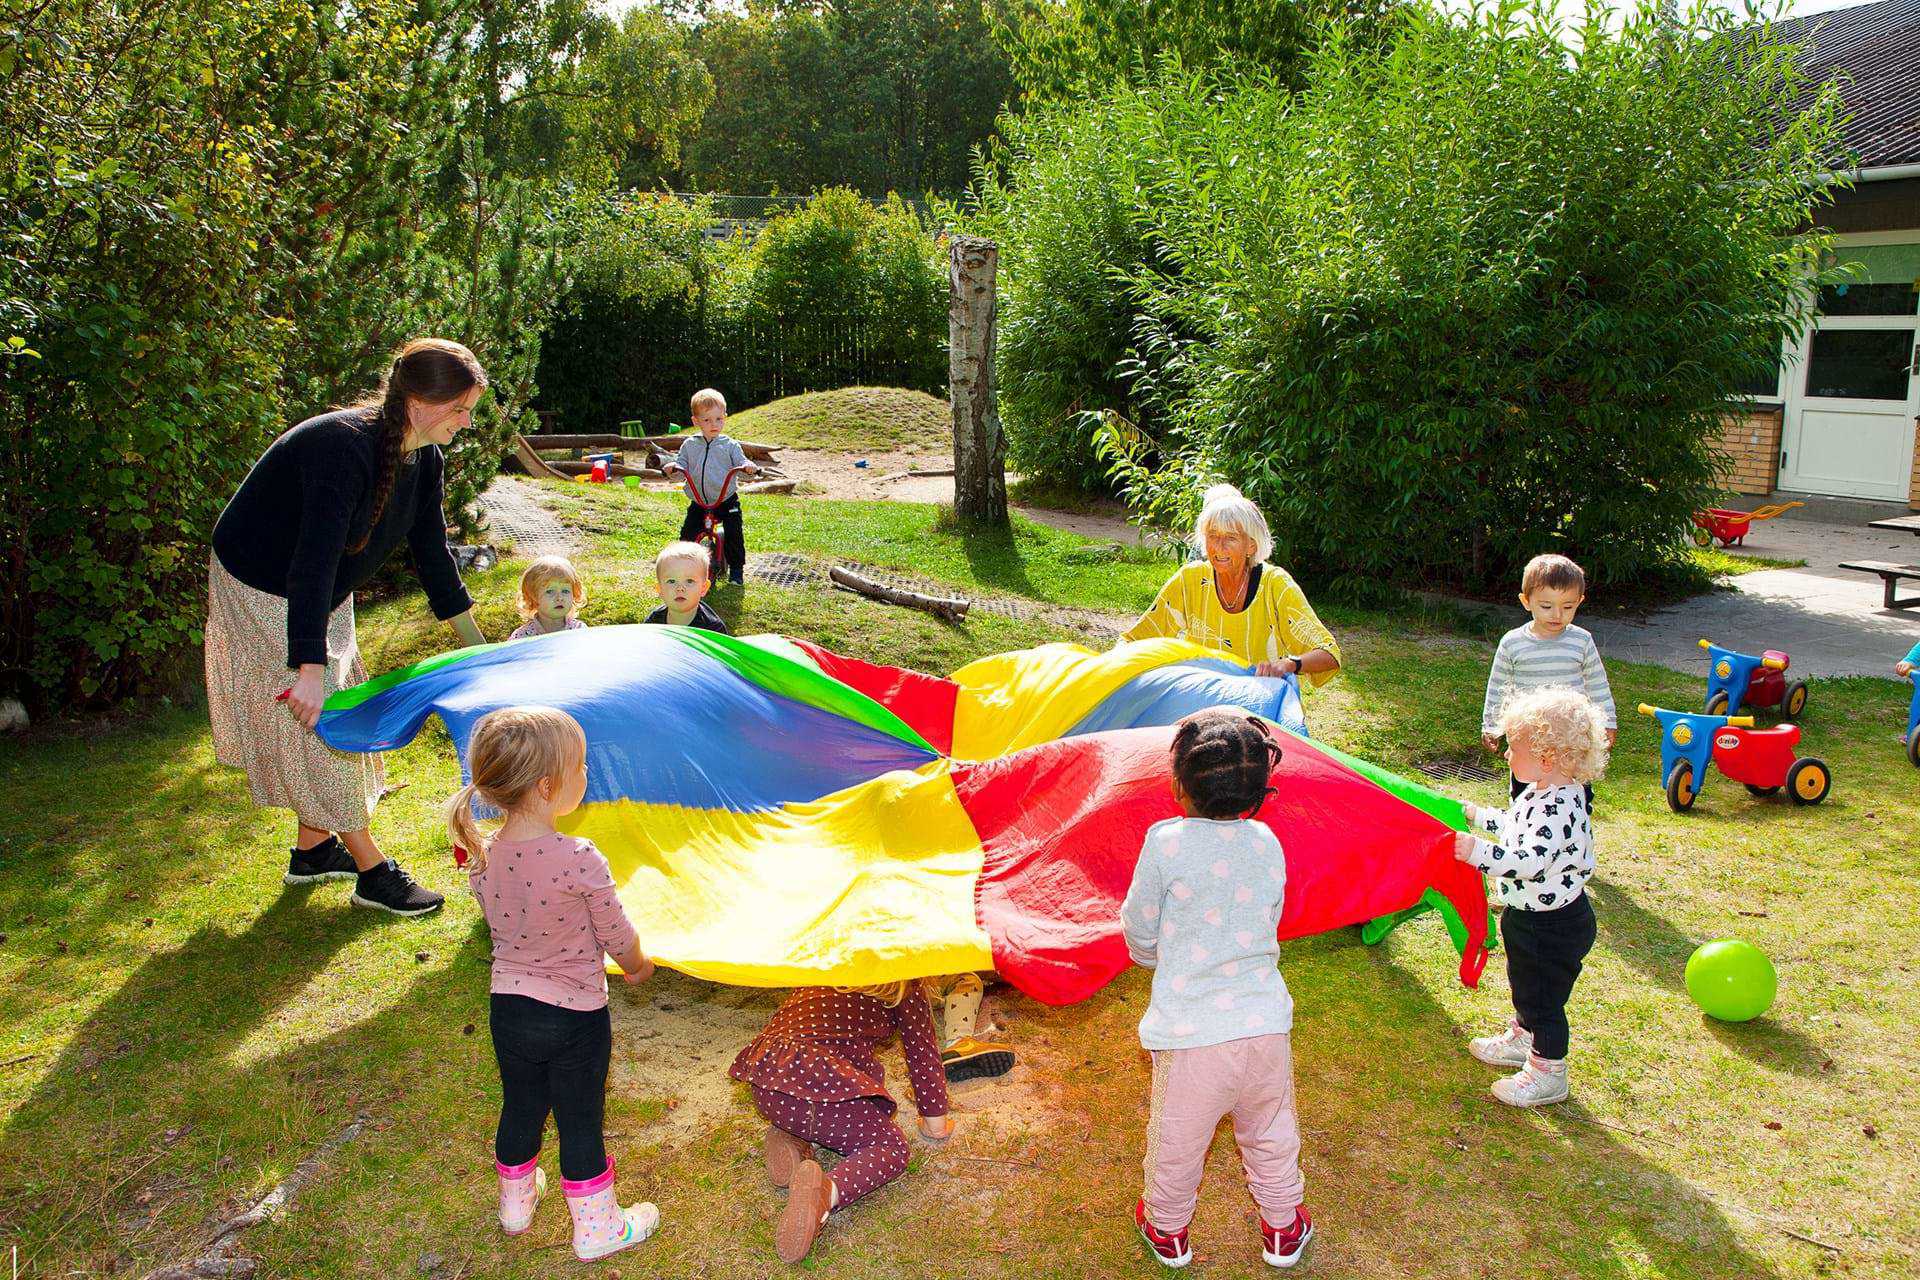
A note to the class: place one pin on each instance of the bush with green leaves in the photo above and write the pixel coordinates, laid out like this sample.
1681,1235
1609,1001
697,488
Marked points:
1477,298
220,219
835,293
1061,196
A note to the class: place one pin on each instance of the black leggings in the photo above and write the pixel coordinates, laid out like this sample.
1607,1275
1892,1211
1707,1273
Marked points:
552,1059
735,537
1544,952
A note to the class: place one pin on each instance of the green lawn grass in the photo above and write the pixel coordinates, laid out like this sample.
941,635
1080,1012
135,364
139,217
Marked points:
1721,563
851,420
177,1031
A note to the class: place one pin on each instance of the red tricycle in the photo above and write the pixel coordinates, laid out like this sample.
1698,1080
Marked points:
1731,526
1763,759
1738,680
712,533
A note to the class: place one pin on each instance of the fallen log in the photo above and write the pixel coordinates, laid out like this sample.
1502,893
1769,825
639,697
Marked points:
757,452
769,486
947,608
920,474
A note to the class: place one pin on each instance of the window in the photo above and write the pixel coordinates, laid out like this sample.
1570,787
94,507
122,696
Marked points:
1867,299
1860,364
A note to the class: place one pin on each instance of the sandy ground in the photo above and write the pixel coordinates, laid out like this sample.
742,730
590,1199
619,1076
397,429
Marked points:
676,1036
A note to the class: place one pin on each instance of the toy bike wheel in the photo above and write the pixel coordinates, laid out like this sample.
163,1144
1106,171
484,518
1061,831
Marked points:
1913,747
1795,700
1762,792
1702,536
1680,792
1717,703
1809,780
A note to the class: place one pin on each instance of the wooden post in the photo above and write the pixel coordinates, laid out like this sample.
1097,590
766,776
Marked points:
979,445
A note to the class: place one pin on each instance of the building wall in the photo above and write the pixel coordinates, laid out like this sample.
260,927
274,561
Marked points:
1913,483
1749,442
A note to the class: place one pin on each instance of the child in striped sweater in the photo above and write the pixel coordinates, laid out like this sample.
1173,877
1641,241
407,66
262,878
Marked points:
1548,651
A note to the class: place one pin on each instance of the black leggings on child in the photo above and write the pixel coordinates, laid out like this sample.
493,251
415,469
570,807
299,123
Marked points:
552,1059
735,537
1544,953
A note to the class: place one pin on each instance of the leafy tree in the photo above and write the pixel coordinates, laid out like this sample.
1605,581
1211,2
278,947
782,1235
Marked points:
221,217
1064,49
880,95
1436,329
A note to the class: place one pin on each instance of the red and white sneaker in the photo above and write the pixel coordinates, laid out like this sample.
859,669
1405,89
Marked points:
1170,1247
1285,1246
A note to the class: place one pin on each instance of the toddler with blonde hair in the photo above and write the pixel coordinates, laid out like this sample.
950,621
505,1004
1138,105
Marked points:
551,594
1540,862
552,910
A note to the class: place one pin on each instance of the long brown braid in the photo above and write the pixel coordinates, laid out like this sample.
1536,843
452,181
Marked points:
432,370
1222,760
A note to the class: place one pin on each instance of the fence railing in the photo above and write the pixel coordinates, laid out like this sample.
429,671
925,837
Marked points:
601,367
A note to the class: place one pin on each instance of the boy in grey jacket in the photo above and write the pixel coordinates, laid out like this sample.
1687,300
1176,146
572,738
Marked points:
704,462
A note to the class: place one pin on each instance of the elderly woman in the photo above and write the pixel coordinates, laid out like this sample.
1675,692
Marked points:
320,512
1234,601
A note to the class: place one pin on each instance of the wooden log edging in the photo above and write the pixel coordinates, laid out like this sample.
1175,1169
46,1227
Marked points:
946,608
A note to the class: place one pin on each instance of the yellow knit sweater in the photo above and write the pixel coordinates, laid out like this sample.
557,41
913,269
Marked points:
1277,623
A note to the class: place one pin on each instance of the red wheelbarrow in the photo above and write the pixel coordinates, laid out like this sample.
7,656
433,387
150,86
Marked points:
1730,526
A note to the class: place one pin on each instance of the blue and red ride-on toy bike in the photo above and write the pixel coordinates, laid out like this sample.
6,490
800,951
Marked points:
1913,721
1735,680
1763,759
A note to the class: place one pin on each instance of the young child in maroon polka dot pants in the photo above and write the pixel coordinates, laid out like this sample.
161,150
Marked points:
816,1078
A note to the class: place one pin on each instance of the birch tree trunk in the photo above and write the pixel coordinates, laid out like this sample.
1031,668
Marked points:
979,445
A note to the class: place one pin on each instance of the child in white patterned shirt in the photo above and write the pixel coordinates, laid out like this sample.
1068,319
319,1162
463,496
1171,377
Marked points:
1556,745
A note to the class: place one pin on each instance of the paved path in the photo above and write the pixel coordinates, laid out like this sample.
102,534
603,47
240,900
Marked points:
1828,619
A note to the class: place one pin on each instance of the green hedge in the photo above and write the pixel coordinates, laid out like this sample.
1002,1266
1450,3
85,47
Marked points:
839,292
1475,298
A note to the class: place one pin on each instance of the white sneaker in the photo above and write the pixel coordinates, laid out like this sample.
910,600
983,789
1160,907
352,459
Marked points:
1508,1049
1536,1084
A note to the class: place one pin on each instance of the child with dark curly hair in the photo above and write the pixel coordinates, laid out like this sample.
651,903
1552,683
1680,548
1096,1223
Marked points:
1203,913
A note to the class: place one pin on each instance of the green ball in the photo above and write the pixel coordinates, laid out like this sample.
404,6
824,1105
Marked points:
1731,980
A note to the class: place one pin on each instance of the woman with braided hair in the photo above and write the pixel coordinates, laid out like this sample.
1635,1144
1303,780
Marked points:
314,520
1203,913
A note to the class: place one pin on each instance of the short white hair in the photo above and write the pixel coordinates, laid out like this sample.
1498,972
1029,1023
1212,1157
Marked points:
1225,509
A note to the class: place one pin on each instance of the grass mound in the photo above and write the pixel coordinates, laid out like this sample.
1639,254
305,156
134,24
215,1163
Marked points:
852,419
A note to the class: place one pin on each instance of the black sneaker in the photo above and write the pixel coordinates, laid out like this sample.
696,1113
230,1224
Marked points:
388,888
328,860
970,1059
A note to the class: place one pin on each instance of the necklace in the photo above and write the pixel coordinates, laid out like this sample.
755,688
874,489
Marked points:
1239,599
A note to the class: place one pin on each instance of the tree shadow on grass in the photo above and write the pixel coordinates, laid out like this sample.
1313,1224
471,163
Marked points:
1491,1180
993,553
153,1060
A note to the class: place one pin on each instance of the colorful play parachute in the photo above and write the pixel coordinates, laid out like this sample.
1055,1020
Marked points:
777,814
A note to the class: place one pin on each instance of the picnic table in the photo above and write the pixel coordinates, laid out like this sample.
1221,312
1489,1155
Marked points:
1891,574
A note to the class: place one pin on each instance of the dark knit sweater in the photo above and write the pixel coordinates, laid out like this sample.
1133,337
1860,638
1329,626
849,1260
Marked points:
287,529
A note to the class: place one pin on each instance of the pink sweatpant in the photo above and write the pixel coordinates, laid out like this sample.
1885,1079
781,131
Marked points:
1251,1080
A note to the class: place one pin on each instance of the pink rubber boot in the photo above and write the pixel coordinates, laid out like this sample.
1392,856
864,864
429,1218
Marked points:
521,1186
600,1225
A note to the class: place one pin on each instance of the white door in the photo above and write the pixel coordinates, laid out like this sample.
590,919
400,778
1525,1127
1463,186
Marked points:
1853,392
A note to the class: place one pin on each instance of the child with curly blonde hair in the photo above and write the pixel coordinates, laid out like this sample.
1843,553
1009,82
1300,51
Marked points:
815,1077
551,594
1540,863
